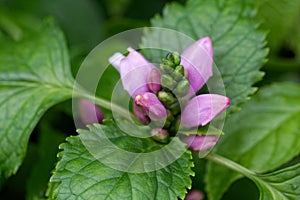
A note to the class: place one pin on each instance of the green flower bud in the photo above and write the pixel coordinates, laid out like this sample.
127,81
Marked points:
160,135
166,98
174,58
169,120
168,62
166,69
168,82
182,88
174,126
178,73
174,108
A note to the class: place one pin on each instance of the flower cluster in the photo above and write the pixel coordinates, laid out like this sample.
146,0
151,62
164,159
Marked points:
168,93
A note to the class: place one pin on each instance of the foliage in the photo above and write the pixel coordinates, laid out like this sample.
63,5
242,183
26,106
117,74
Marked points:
39,58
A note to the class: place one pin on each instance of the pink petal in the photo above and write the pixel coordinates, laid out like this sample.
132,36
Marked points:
154,80
152,106
115,60
89,112
201,109
140,113
197,59
200,142
134,70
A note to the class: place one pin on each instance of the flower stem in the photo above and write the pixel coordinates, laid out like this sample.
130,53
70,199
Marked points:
244,171
231,165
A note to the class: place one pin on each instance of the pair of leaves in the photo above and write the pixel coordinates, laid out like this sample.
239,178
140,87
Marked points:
265,137
88,168
34,75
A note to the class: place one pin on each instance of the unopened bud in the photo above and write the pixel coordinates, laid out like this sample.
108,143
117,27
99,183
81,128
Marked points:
168,62
166,69
151,105
160,135
174,58
141,114
195,195
154,80
89,112
200,142
178,73
174,108
168,82
166,97
182,87
169,120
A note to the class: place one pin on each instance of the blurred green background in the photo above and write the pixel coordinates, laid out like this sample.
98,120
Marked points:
88,22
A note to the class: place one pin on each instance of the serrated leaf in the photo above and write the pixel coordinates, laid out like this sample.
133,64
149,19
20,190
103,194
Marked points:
79,174
34,75
238,46
261,137
282,184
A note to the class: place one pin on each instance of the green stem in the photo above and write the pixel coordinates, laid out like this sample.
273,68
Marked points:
231,165
246,172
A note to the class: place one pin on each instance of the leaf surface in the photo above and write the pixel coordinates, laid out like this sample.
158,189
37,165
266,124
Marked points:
262,137
79,174
34,75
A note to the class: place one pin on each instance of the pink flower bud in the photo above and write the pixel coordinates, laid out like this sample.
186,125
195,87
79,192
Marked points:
150,104
197,60
141,114
200,142
195,195
160,135
154,80
89,112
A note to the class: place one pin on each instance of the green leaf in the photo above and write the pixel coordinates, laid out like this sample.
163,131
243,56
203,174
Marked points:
238,46
79,174
34,75
264,138
282,184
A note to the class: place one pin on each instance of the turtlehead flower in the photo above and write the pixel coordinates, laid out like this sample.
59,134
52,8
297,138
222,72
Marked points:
89,112
149,104
157,93
135,71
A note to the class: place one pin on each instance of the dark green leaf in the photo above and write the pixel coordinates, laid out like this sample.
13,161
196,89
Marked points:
279,17
238,46
45,153
79,174
34,75
262,137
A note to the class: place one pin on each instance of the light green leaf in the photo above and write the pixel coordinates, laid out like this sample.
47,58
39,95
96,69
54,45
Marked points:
79,174
282,184
238,46
34,75
261,137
